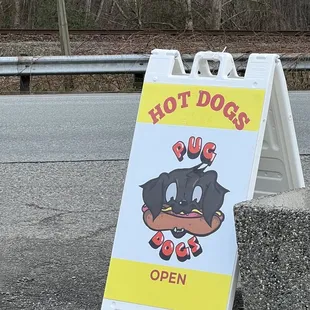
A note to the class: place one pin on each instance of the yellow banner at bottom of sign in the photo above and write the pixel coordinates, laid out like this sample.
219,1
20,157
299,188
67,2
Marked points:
166,287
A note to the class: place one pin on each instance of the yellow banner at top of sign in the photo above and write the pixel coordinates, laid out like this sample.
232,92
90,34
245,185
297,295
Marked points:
201,106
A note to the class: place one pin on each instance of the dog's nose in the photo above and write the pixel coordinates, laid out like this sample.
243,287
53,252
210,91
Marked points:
181,206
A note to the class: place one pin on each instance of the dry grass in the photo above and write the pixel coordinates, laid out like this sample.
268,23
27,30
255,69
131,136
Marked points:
139,44
80,83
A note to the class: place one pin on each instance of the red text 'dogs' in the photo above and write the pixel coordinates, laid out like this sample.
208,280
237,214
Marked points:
167,247
216,102
168,276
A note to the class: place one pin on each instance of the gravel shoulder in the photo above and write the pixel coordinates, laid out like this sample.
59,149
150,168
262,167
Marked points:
15,45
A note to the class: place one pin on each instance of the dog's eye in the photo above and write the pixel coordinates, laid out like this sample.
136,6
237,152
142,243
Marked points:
197,193
171,192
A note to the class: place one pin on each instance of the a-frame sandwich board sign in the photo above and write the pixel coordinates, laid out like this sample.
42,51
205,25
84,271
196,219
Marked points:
202,143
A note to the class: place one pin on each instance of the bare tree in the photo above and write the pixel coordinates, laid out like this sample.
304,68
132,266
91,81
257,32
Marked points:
1,11
17,15
87,9
138,12
189,25
216,14
121,10
99,12
31,11
186,14
187,9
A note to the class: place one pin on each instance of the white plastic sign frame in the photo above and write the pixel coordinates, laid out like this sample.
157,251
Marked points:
202,143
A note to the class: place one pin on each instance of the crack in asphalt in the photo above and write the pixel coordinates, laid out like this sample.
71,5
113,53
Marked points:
65,161
63,211
95,233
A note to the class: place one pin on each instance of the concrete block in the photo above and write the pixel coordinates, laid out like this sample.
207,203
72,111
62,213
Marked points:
273,235
238,301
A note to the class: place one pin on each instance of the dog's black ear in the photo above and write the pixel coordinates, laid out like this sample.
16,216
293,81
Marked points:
213,195
153,193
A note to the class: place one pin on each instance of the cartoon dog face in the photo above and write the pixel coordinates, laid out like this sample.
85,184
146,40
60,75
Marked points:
184,201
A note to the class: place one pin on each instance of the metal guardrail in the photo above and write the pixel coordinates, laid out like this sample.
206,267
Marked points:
26,66
62,65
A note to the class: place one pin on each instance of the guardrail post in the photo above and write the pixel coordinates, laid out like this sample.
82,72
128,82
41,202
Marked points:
24,82
138,80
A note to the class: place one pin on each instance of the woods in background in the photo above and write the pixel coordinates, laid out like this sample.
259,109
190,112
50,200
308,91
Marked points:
160,14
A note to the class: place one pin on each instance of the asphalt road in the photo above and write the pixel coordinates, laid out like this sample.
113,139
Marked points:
88,127
63,162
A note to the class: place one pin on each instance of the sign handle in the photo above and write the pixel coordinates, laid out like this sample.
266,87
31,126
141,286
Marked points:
226,67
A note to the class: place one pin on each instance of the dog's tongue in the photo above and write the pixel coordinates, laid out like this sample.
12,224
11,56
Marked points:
192,214
144,208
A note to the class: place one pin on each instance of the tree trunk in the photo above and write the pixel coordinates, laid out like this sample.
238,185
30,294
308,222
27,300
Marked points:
17,16
87,10
30,14
112,7
216,14
121,10
99,11
1,14
138,12
187,9
189,16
